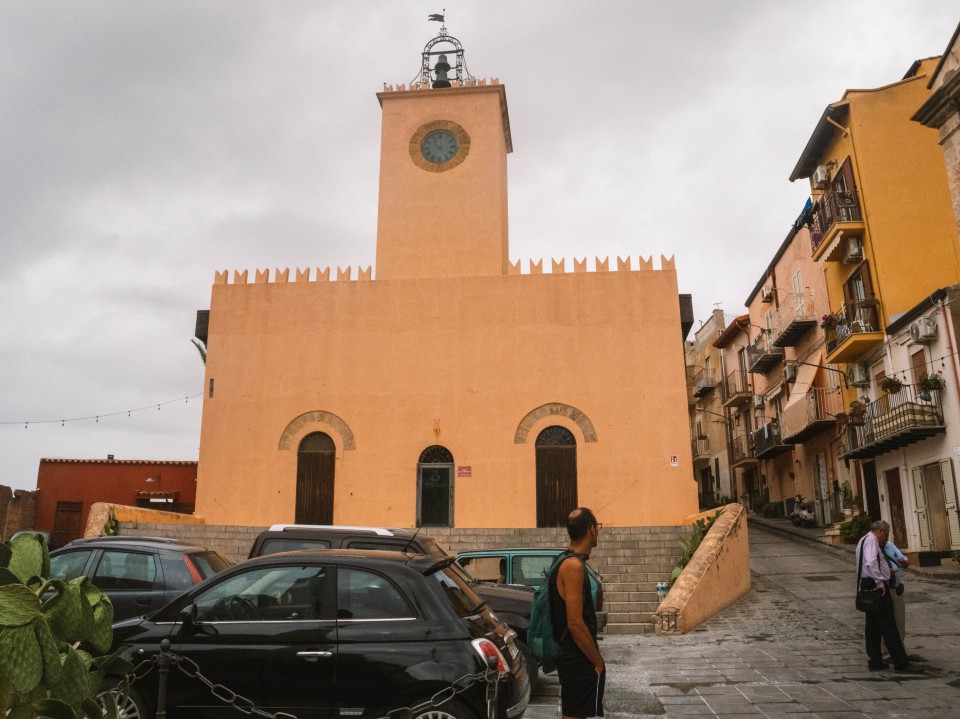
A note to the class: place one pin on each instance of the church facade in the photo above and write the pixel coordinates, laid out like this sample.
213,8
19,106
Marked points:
449,385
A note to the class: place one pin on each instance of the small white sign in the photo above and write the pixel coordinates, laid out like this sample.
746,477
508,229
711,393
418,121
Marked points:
956,451
674,460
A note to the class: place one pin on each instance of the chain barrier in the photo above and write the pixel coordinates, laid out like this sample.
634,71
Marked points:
166,659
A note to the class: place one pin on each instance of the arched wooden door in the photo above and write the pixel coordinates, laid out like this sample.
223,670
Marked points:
315,473
435,487
556,449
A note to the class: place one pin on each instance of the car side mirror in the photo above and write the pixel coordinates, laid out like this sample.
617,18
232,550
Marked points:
188,620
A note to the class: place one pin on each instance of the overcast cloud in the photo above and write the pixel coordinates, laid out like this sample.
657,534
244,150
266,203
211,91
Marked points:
146,145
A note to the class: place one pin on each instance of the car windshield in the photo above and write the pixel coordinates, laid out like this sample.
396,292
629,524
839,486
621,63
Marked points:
456,585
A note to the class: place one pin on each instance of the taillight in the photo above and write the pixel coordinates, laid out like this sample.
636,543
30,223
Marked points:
486,649
192,568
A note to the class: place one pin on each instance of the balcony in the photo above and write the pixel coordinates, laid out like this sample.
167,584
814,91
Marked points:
893,421
741,451
704,382
763,356
691,372
853,331
735,390
814,412
768,442
836,215
792,320
700,449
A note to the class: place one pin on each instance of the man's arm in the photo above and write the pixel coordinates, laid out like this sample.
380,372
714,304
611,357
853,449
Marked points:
570,585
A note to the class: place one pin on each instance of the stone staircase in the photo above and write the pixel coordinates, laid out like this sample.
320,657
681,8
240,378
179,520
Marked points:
630,560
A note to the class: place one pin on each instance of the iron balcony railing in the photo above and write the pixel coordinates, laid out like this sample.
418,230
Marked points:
762,356
815,411
853,317
741,448
768,441
894,420
704,382
736,386
700,448
793,319
833,207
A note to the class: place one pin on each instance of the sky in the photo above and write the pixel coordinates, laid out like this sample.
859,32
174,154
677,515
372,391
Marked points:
146,145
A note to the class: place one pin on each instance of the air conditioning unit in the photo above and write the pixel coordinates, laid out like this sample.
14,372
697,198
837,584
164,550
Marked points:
821,177
789,372
759,401
923,330
858,376
853,252
766,294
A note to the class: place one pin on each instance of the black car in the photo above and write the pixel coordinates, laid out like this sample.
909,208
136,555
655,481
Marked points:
511,604
139,574
331,633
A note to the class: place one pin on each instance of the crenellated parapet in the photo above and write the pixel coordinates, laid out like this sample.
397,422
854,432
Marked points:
559,267
425,87
302,275
365,274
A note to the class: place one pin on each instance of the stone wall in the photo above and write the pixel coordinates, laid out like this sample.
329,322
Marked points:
17,510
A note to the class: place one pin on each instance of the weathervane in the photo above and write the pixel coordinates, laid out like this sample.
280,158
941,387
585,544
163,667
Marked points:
437,76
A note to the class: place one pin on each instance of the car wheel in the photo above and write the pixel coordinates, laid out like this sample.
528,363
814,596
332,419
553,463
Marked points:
131,706
533,666
448,710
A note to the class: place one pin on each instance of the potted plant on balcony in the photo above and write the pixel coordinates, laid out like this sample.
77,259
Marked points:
858,410
928,383
828,322
891,385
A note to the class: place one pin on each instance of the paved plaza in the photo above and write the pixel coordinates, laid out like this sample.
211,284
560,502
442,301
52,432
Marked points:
793,645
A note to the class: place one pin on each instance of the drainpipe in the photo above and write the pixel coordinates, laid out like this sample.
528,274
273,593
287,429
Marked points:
953,362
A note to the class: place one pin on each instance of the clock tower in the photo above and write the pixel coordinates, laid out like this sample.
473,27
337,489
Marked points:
443,173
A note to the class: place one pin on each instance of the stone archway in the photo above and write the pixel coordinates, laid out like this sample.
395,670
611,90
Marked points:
306,419
555,409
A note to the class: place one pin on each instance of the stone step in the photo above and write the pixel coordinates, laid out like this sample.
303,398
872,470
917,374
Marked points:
622,608
610,588
629,628
629,617
632,572
610,598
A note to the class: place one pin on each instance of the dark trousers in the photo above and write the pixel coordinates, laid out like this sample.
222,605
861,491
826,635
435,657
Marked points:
882,624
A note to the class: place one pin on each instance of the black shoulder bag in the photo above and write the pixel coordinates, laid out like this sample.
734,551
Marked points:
868,600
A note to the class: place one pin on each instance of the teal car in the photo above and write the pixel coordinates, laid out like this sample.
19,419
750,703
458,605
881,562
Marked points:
525,566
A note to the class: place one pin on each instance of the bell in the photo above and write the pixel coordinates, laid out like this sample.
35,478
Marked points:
441,68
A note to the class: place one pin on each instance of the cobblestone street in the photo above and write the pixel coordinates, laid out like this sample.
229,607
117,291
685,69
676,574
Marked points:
793,645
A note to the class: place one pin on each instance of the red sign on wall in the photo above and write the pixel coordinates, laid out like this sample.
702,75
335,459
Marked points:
466,471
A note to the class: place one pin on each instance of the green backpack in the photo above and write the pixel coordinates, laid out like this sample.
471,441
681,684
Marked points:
540,638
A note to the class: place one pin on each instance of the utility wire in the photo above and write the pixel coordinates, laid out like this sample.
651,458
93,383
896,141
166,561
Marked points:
96,417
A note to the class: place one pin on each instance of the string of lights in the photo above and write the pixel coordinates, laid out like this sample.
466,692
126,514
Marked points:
97,417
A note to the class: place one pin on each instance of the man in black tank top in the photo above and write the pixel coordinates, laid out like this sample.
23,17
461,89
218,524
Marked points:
580,667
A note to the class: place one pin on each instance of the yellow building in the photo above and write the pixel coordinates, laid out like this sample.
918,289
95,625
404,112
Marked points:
449,387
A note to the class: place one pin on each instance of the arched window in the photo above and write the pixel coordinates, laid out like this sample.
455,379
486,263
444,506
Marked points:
435,487
556,449
315,473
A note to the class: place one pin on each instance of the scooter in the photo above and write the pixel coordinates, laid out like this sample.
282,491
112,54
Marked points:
803,514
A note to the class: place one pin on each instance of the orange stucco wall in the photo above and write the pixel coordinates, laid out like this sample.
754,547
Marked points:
406,364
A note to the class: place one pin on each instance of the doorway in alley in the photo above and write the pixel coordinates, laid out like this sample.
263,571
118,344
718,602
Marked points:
871,491
898,522
556,449
936,497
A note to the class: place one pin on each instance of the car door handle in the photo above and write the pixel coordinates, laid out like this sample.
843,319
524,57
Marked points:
313,655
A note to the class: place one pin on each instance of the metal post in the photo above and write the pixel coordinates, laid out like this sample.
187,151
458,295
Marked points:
165,660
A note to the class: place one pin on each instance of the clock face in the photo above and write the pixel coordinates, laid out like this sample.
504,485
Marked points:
439,146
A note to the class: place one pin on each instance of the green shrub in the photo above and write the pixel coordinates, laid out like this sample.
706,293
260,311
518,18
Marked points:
856,527
688,547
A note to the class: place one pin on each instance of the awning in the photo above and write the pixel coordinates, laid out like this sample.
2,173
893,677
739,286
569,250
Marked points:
795,413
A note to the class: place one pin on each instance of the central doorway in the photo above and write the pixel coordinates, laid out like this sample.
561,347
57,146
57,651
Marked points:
435,487
556,476
316,460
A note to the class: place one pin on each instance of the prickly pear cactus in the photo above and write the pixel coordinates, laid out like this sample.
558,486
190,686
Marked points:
49,632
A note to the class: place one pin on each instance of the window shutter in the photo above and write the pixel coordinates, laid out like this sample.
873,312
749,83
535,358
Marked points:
950,495
919,365
921,498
